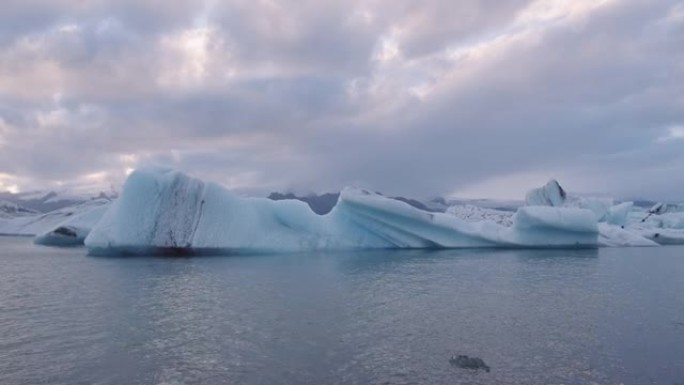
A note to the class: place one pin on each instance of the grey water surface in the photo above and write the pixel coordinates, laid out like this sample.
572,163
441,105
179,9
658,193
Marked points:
608,316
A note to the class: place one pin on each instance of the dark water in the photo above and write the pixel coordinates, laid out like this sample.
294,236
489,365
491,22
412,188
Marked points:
610,316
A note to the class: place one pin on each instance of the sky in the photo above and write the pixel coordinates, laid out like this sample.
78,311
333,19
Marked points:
424,98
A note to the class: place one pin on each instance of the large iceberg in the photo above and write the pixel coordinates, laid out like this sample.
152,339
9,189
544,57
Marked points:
161,210
166,211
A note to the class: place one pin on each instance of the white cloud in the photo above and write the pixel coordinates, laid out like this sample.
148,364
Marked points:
387,49
4,128
673,133
188,55
542,12
411,97
8,183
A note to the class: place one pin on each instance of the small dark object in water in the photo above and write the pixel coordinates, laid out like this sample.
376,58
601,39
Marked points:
466,362
65,231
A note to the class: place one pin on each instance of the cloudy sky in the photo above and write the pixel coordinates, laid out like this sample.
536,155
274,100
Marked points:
422,98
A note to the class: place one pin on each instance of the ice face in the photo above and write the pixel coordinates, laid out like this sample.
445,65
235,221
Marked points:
618,214
559,226
551,194
162,210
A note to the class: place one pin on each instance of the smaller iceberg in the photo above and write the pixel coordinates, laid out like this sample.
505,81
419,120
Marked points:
79,219
663,224
615,222
74,230
551,194
618,215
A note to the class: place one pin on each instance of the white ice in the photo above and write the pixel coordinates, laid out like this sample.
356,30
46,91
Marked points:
73,230
619,225
164,210
551,194
83,215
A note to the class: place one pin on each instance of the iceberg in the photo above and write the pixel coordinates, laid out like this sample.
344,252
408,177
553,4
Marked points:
73,230
664,229
617,236
616,223
551,194
33,223
165,211
599,206
618,215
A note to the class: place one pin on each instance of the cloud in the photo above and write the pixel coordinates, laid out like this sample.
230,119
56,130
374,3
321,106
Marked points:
673,133
419,98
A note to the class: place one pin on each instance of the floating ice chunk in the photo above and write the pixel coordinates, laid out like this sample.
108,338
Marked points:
555,226
665,229
402,226
73,230
35,224
599,206
618,214
665,236
157,208
551,194
617,236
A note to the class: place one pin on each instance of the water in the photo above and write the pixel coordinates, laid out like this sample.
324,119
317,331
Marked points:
607,316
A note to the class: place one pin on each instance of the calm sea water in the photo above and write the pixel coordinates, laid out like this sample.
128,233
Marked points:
609,316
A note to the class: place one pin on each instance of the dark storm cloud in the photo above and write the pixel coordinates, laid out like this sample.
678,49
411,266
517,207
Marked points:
419,98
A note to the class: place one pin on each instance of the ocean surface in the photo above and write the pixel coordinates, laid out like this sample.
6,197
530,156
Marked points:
609,316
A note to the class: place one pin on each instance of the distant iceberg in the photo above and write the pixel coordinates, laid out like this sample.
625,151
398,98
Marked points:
551,194
619,224
73,230
161,210
81,217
